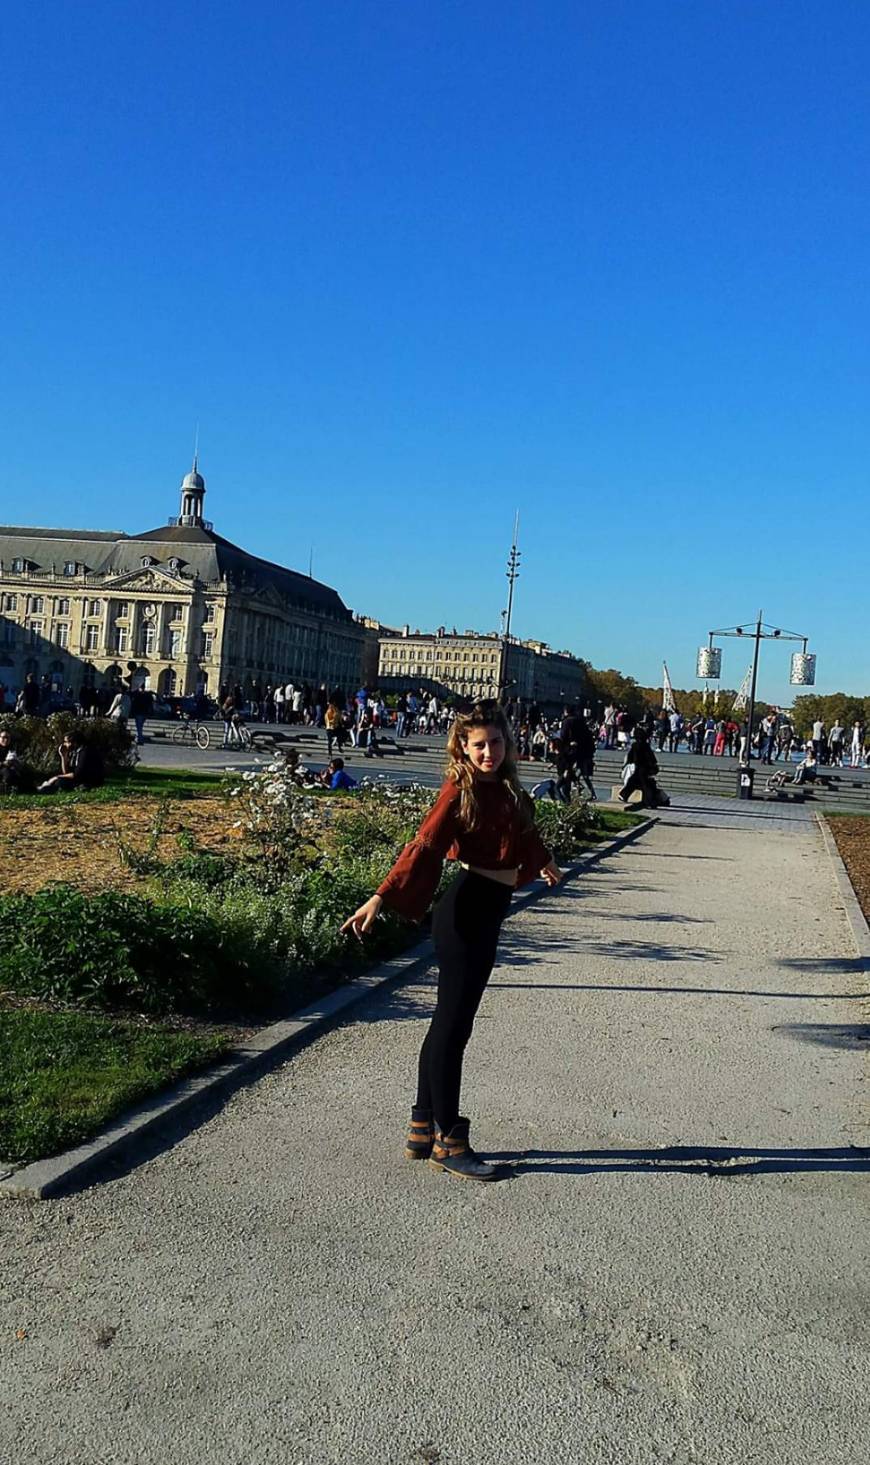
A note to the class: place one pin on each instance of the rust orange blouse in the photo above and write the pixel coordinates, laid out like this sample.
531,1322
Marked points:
497,844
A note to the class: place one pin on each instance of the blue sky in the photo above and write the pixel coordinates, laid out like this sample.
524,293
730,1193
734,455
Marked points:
412,264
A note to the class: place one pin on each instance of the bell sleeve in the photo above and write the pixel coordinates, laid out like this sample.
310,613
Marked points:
533,854
411,884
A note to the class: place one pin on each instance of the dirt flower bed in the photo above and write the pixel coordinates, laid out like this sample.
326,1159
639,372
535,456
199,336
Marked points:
80,844
852,835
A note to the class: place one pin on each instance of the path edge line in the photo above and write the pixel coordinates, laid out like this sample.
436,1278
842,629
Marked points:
852,906
271,1045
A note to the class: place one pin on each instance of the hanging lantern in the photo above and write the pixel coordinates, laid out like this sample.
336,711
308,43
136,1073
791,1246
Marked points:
803,669
709,663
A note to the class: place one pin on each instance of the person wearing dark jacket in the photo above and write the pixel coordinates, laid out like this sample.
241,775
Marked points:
643,763
81,766
141,706
576,753
29,696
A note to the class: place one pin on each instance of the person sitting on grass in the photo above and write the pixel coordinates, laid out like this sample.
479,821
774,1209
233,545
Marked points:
334,776
298,772
81,766
10,764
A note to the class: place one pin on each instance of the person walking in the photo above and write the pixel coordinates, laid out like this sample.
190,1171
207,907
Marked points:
141,707
836,741
857,748
28,697
663,728
484,820
768,737
332,721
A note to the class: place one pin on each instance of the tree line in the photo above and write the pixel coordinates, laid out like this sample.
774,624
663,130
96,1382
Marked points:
611,686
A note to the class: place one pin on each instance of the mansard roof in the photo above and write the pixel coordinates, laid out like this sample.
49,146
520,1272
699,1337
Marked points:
202,553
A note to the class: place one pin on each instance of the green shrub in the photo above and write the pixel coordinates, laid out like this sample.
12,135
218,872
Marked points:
379,818
116,950
566,828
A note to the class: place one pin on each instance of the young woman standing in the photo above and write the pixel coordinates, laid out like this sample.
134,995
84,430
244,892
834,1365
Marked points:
483,819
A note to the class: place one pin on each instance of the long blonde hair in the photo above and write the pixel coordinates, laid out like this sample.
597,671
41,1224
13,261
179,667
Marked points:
460,769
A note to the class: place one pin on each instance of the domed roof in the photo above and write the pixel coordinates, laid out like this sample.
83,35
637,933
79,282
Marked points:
193,479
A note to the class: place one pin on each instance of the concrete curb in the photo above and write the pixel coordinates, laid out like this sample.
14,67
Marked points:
271,1045
854,914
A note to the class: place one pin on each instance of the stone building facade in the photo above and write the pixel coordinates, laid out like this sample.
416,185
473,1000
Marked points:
476,664
192,610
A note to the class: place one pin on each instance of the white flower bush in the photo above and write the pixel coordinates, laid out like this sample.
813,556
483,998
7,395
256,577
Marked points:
277,819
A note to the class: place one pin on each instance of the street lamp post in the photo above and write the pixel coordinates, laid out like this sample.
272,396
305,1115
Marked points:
513,574
803,665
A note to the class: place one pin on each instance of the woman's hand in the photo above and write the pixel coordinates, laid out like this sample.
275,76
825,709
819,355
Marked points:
552,874
363,919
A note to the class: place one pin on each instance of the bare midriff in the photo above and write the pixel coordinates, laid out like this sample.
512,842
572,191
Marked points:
504,877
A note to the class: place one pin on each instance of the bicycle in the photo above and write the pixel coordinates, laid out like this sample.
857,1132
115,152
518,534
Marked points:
239,732
191,731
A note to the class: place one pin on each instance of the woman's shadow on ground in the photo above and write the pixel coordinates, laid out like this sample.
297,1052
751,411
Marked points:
715,1161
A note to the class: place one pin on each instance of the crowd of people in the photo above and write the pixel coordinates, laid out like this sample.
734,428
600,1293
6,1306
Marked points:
774,737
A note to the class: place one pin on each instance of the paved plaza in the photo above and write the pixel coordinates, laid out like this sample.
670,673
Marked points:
670,1057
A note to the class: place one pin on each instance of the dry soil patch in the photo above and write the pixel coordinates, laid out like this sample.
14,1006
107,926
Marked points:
80,844
852,834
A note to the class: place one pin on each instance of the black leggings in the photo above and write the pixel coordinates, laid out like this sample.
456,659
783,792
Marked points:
465,927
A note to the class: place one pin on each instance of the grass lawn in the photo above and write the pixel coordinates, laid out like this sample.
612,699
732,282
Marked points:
614,821
63,1075
139,782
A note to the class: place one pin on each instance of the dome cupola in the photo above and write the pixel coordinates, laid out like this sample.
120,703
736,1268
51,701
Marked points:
192,495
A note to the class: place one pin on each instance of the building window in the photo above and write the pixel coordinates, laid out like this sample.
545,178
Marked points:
69,567
209,613
207,644
146,560
11,602
61,635
61,607
37,605
92,638
175,646
35,629
147,638
94,608
174,563
17,566
122,639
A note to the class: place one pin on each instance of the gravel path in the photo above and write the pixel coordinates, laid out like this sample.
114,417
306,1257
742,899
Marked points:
675,1272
